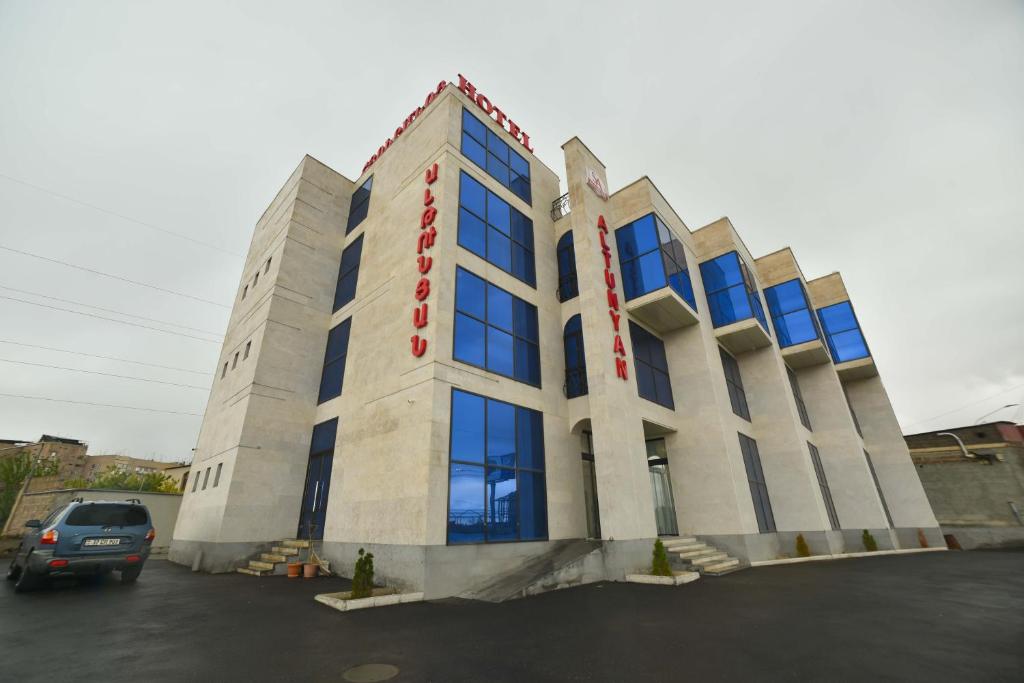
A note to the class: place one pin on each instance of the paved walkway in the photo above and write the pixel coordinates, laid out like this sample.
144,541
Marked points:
939,617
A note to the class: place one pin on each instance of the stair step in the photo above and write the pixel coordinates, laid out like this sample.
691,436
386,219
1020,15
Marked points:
265,566
721,567
271,557
713,558
691,553
250,572
679,541
295,543
285,550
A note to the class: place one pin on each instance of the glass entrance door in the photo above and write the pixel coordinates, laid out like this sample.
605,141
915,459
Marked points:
590,488
318,481
661,488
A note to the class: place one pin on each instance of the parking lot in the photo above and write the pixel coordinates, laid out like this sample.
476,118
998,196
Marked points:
936,616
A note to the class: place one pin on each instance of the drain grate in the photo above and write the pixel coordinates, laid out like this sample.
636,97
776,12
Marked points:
370,673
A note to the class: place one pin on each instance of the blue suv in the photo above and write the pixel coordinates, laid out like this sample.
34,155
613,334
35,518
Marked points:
84,539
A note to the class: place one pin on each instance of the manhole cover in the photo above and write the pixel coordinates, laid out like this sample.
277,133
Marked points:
370,673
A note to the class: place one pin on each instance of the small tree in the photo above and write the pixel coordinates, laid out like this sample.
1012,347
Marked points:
801,546
362,579
659,560
869,541
14,470
921,538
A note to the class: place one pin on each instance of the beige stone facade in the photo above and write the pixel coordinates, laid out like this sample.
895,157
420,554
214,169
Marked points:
389,488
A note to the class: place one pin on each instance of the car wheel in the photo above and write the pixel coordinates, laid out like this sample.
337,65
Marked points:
129,575
13,571
27,580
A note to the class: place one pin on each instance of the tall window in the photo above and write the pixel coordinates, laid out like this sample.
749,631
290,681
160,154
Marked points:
495,330
216,476
568,287
348,273
652,380
487,150
791,313
801,407
732,292
878,488
652,257
758,486
734,382
334,361
360,205
575,363
826,493
495,231
856,422
845,340
496,489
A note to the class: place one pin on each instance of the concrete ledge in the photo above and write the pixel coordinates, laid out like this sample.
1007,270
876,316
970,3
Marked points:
677,578
843,556
342,603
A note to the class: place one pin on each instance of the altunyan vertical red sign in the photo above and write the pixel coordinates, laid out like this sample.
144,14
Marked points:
424,262
618,348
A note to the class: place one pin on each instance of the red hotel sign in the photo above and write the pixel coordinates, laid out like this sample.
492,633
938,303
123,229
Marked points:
478,98
613,300
424,242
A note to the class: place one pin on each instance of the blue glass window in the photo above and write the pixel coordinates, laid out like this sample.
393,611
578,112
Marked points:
495,231
758,485
568,287
575,363
826,492
732,294
333,376
845,340
652,257
487,150
734,382
360,205
348,273
652,378
496,488
495,330
791,313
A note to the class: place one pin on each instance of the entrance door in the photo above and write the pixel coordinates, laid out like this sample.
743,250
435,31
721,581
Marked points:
318,481
590,489
661,488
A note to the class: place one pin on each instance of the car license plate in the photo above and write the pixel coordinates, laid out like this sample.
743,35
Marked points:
102,541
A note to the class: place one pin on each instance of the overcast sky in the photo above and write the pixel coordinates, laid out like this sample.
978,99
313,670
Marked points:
884,140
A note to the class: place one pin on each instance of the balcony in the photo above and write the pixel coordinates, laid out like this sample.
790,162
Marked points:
861,368
663,310
742,336
806,354
560,207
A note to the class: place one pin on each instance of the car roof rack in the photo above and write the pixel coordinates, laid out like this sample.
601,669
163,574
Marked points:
77,500
135,500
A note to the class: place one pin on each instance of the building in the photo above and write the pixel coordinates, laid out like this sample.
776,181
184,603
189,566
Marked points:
448,354
179,473
69,454
96,465
974,479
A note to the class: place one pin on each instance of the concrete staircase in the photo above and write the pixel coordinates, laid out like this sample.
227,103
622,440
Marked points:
697,556
276,560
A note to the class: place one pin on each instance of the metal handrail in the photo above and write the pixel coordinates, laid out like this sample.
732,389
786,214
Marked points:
560,207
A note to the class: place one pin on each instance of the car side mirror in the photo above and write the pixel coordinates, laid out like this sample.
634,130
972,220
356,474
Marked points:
33,523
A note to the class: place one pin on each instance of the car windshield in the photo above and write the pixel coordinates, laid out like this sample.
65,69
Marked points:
107,515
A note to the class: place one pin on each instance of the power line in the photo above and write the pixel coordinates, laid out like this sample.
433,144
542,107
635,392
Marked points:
113,320
966,405
104,374
110,310
104,405
118,215
93,355
112,277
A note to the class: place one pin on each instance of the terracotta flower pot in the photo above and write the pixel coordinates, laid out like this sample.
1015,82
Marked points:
310,570
294,570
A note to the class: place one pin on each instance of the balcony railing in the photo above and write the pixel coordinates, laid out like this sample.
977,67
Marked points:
560,207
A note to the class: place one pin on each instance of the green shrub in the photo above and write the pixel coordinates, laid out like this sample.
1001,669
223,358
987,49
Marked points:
869,541
659,560
801,546
362,579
